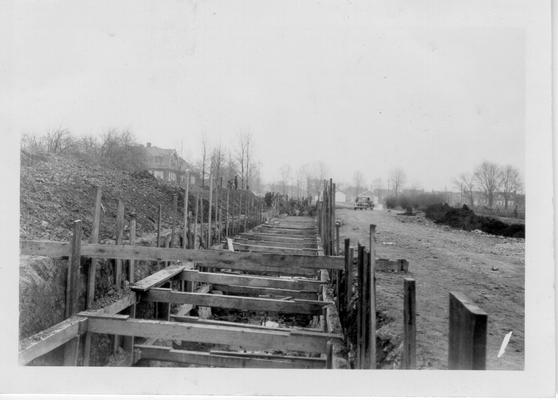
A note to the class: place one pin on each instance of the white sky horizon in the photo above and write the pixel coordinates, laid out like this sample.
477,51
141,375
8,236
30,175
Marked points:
434,88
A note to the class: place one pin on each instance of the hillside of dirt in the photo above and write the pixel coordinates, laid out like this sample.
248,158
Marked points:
57,190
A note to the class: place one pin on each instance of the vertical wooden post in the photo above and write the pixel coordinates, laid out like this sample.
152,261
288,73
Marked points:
336,239
72,283
174,217
324,319
129,340
359,344
209,212
227,216
348,280
132,270
159,218
196,212
409,359
186,235
365,310
329,355
119,236
71,352
239,211
219,211
245,209
94,238
467,333
372,298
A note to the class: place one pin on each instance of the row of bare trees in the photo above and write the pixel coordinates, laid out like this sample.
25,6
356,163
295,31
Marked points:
116,148
491,179
235,167
303,182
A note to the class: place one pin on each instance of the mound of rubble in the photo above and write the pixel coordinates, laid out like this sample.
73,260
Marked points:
466,219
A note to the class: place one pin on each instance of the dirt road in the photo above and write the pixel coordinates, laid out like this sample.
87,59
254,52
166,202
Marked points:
488,269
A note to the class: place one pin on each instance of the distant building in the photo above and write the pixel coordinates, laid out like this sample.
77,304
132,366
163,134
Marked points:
340,197
167,165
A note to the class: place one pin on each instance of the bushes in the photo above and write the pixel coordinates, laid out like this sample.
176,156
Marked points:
466,219
417,201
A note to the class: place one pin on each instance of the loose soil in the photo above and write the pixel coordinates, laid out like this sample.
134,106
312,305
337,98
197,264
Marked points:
488,269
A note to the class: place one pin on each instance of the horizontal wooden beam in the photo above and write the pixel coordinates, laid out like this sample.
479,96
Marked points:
259,291
229,360
245,338
160,277
294,330
272,249
251,280
117,306
236,302
284,263
49,339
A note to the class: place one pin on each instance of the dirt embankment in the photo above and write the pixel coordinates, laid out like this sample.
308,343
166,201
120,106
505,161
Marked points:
488,269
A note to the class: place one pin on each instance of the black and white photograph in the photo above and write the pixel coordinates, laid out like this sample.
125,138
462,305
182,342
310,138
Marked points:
333,198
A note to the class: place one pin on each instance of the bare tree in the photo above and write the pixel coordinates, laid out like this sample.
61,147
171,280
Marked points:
466,184
358,179
285,177
57,140
510,182
397,179
243,157
488,176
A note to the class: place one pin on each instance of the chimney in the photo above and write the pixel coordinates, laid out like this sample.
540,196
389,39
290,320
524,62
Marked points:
148,144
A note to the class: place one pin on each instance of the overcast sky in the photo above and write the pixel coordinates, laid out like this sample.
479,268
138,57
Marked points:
433,87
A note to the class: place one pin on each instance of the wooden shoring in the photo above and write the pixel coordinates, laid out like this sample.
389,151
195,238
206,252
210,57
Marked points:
186,234
409,356
72,277
196,212
251,280
49,339
467,333
235,302
263,291
213,258
246,338
228,359
209,235
160,277
371,299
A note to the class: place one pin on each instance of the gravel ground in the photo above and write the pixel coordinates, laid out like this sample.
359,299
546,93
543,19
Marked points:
488,269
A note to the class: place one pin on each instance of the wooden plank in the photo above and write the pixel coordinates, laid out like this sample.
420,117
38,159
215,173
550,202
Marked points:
320,362
72,283
229,360
303,264
49,339
184,309
119,238
467,334
246,338
271,249
251,280
119,305
259,291
372,299
256,235
409,356
160,277
294,330
236,302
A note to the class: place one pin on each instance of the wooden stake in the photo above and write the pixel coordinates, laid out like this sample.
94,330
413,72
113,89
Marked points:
160,217
209,236
348,278
119,236
94,238
467,333
227,215
131,272
174,217
196,212
372,298
409,359
72,283
71,352
186,235
329,356
365,310
359,338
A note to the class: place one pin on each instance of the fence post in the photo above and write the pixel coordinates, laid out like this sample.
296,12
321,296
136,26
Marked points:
467,333
365,311
348,279
371,282
132,270
186,235
359,345
72,282
119,235
209,211
196,212
409,359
